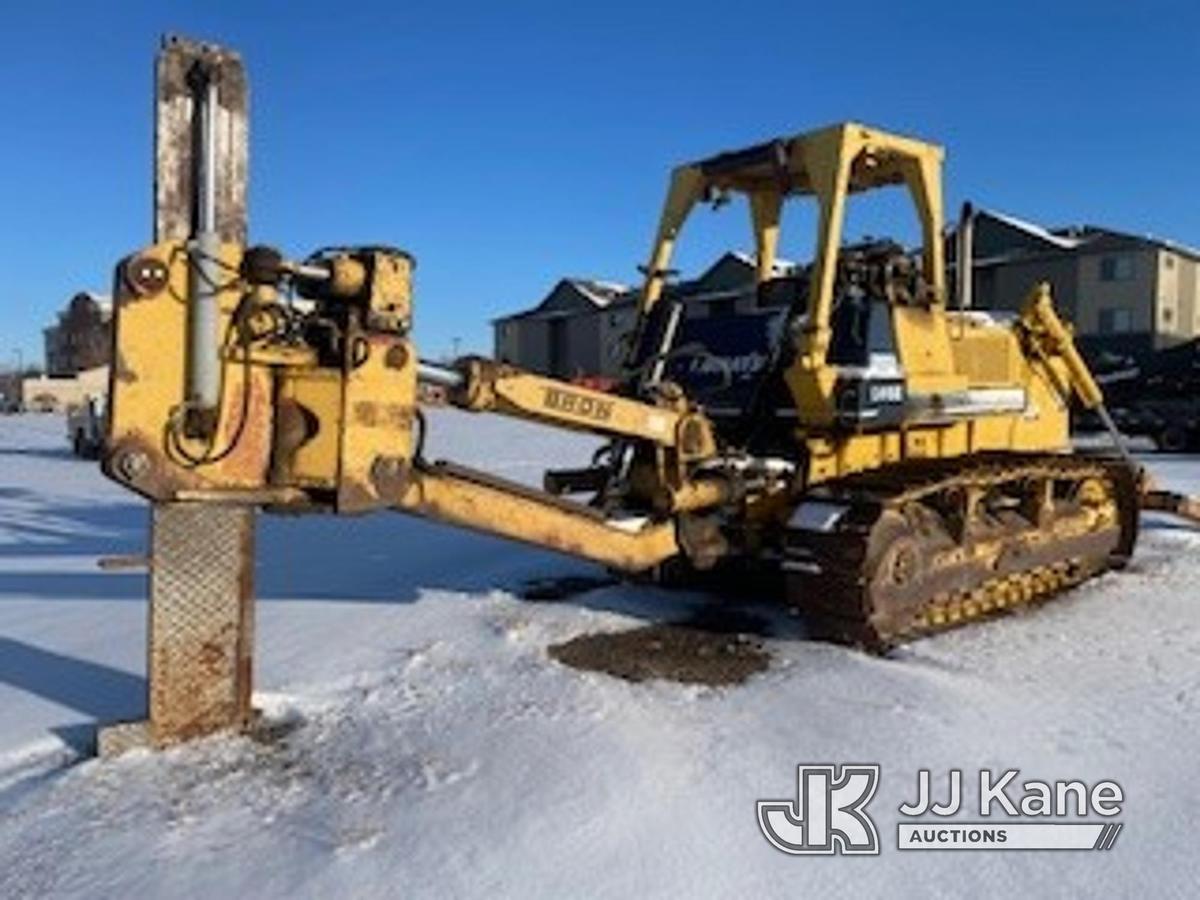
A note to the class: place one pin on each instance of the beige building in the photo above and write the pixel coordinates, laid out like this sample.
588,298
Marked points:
1123,292
49,394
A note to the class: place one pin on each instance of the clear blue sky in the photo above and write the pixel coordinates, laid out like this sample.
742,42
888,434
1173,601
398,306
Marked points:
506,144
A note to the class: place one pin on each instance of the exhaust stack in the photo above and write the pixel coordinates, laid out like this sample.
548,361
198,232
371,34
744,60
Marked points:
965,269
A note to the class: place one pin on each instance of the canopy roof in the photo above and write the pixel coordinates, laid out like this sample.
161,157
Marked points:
784,163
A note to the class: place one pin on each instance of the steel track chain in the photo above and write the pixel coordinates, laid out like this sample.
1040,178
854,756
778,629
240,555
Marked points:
943,611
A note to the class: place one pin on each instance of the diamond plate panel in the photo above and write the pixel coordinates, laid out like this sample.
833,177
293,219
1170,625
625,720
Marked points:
201,619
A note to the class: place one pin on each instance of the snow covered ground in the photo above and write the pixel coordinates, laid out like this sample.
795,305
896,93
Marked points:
438,751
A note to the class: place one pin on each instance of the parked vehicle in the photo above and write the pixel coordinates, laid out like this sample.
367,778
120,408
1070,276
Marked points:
1156,396
85,427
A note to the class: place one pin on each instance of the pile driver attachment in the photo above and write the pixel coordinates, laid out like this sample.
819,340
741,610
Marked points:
901,465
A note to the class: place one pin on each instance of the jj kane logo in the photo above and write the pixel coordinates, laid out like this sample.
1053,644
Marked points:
829,814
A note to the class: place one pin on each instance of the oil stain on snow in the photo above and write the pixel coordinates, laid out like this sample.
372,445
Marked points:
717,646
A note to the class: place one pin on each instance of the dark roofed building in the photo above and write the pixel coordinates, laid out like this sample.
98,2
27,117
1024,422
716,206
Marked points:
1124,293
582,327
562,335
81,338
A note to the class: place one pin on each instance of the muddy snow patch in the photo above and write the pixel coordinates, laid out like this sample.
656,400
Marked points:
704,650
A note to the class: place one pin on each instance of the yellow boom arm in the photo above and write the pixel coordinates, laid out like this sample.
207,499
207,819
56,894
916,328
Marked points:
484,385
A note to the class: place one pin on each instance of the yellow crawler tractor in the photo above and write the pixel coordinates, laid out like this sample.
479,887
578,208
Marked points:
903,465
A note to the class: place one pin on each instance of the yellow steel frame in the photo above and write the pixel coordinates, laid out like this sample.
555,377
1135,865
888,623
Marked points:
296,432
831,164
828,165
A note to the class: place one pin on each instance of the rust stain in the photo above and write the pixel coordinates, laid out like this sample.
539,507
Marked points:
366,413
212,659
174,139
122,371
159,480
200,643
390,475
396,357
370,414
353,496
249,458
295,424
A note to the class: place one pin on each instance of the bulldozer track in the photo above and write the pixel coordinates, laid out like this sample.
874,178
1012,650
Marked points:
884,557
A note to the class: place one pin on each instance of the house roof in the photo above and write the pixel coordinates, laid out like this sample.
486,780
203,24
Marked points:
580,293
1079,238
1176,247
1061,241
780,266
103,303
1101,236
599,293
611,294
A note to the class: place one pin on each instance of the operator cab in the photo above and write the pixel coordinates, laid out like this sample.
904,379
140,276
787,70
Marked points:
732,362
727,356
872,278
